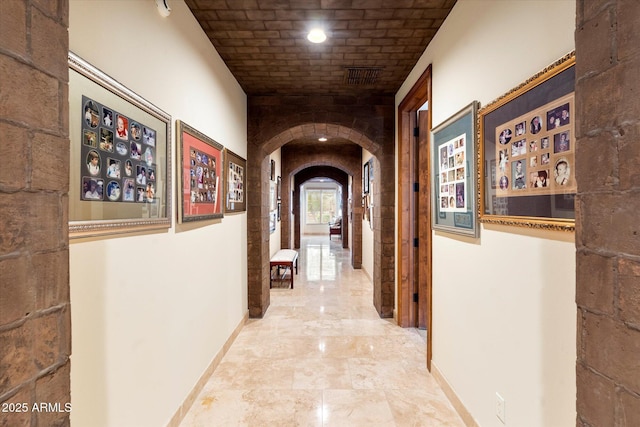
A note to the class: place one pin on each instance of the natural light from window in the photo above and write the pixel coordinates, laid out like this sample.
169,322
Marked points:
321,206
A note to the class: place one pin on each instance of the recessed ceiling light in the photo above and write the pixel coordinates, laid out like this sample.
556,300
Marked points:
316,36
323,139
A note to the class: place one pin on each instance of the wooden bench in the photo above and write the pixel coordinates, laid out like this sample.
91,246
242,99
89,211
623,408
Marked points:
286,259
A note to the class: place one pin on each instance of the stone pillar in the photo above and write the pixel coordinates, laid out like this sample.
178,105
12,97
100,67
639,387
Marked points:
258,171
607,222
384,241
35,322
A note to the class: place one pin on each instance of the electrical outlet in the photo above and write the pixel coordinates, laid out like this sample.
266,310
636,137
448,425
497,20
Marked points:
500,408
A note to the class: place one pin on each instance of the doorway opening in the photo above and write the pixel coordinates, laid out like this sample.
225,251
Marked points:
300,156
414,209
327,180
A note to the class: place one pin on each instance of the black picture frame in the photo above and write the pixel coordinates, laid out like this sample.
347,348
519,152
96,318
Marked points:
365,178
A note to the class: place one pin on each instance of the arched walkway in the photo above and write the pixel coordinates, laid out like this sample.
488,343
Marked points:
258,206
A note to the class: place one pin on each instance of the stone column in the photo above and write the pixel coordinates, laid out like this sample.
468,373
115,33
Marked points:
35,322
607,222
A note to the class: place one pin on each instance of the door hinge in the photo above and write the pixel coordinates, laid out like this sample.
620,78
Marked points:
416,131
416,187
415,297
415,242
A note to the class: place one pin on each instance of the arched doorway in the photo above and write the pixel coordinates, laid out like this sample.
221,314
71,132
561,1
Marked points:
258,207
342,179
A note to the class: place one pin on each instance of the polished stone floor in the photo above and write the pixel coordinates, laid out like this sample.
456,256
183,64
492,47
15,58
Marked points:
321,356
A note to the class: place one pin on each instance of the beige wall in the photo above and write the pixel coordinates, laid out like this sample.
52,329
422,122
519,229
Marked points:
367,232
275,237
502,323
143,337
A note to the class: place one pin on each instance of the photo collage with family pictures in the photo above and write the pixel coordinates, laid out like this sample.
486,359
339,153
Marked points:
236,179
453,176
117,156
535,152
204,180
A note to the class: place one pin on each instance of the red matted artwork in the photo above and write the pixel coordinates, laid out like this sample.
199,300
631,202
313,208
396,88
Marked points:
201,176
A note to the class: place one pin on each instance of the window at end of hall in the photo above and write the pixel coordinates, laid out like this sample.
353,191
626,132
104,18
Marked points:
321,206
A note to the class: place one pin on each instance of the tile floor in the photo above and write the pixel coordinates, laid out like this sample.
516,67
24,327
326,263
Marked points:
321,356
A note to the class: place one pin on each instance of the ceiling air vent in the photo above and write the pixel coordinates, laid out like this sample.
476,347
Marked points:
361,75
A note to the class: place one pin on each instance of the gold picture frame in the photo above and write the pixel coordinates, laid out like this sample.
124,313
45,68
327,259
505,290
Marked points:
526,161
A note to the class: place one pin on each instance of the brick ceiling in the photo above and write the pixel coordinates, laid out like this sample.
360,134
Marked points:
263,42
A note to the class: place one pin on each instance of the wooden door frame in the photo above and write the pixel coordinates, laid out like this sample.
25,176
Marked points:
407,257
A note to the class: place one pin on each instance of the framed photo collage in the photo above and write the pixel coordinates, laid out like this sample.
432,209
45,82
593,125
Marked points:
118,156
535,152
523,170
527,152
121,162
454,179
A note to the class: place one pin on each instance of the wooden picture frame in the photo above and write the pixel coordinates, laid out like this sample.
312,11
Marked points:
236,182
528,135
202,181
120,157
454,175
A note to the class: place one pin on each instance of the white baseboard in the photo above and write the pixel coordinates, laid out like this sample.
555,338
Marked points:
466,416
181,412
